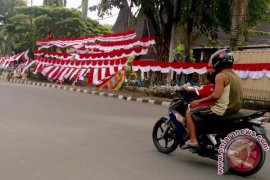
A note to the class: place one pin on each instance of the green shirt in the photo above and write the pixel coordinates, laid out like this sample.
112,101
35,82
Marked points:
230,101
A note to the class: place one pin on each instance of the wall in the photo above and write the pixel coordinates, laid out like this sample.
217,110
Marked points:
254,89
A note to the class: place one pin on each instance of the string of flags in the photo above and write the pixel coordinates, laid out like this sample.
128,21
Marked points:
253,71
102,60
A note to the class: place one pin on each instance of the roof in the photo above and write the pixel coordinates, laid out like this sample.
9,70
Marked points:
252,40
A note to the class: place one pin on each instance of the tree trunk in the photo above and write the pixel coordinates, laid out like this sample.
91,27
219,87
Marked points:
175,39
84,10
58,3
239,12
186,32
123,20
163,44
84,13
64,3
186,40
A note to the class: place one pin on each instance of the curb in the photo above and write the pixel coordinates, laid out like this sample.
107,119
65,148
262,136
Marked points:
93,92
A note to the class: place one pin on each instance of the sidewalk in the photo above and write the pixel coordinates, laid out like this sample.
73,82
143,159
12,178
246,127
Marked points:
123,94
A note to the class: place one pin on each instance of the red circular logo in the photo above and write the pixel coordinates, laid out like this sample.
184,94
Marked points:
221,56
243,154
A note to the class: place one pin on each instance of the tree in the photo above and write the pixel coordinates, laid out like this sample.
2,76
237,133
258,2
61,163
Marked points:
6,43
172,21
7,9
259,12
58,3
94,28
84,13
84,9
186,20
62,22
197,18
242,15
239,13
158,12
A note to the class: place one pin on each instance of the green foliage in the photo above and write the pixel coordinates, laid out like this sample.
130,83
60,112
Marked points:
130,73
192,15
94,28
105,7
31,23
256,32
159,14
259,11
130,60
7,9
59,3
179,53
223,15
6,43
146,82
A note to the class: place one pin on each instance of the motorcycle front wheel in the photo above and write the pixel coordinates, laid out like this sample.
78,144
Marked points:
165,136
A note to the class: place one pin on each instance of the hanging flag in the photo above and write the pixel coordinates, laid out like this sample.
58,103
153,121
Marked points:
121,81
16,57
25,56
114,81
7,61
27,65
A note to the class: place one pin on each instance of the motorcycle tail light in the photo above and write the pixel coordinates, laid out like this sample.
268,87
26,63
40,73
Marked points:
260,120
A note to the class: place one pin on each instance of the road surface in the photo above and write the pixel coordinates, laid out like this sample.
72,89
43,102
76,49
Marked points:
52,134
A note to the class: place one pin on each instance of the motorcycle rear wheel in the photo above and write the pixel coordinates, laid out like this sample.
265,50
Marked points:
251,162
168,142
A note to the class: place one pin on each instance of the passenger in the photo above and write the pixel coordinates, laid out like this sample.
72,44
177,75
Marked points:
204,91
227,94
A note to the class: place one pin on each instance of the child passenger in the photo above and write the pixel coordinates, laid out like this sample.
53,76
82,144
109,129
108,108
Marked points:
204,91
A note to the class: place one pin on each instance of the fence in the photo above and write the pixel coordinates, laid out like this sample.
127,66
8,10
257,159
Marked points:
258,90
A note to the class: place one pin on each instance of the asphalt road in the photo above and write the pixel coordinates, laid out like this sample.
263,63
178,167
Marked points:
52,134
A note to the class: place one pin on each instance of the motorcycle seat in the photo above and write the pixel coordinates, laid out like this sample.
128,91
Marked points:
240,116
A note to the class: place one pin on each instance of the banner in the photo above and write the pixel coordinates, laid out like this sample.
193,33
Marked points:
114,82
6,61
78,42
253,71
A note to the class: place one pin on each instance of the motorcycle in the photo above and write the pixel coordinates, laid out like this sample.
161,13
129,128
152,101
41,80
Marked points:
219,139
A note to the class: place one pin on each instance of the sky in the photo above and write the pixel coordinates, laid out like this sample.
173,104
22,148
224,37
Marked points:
93,15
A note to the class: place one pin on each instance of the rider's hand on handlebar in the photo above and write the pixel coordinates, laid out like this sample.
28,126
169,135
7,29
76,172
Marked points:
188,88
177,88
185,88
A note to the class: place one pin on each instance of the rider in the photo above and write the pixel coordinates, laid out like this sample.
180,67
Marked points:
228,94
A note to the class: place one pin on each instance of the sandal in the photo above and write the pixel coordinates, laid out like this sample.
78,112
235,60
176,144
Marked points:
189,145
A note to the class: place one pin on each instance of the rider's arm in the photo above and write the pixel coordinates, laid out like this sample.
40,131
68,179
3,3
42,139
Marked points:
220,82
188,88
